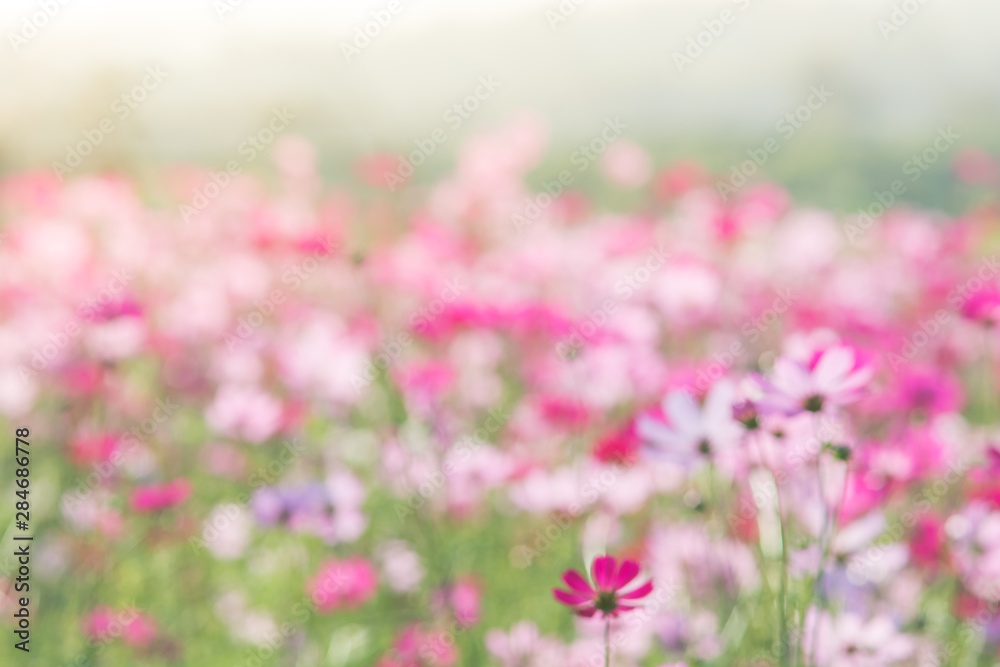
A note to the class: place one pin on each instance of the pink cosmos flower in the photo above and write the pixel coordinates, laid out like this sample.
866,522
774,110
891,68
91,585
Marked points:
620,446
926,390
847,640
156,497
87,449
678,179
610,579
401,567
983,306
833,376
134,627
975,166
626,164
462,597
97,624
416,647
692,432
140,631
380,169
523,646
244,412
927,542
349,583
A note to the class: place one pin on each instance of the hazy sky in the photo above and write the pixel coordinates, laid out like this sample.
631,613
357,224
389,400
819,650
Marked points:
608,57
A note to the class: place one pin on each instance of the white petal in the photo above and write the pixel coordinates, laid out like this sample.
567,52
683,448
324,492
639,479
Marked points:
683,412
833,366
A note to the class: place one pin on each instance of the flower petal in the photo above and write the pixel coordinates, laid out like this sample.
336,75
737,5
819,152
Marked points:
628,571
640,592
684,414
603,570
577,583
567,598
719,403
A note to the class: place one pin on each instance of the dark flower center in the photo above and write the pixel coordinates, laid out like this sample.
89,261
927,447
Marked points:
607,601
813,403
705,447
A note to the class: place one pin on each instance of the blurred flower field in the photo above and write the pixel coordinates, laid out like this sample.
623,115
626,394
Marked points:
275,421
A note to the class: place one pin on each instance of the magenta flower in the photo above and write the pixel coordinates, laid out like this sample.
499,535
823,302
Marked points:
983,305
608,596
156,497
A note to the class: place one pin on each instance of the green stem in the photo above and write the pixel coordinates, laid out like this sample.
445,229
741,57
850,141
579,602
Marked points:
607,643
783,591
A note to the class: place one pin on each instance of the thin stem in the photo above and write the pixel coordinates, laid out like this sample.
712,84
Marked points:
607,642
783,580
783,590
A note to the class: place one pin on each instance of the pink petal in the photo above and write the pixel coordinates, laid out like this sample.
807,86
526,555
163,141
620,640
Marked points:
603,570
571,599
629,570
587,612
576,582
640,592
834,365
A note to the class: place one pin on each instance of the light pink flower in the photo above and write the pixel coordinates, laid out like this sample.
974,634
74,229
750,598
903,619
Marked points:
140,631
847,640
342,584
834,376
244,412
692,432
